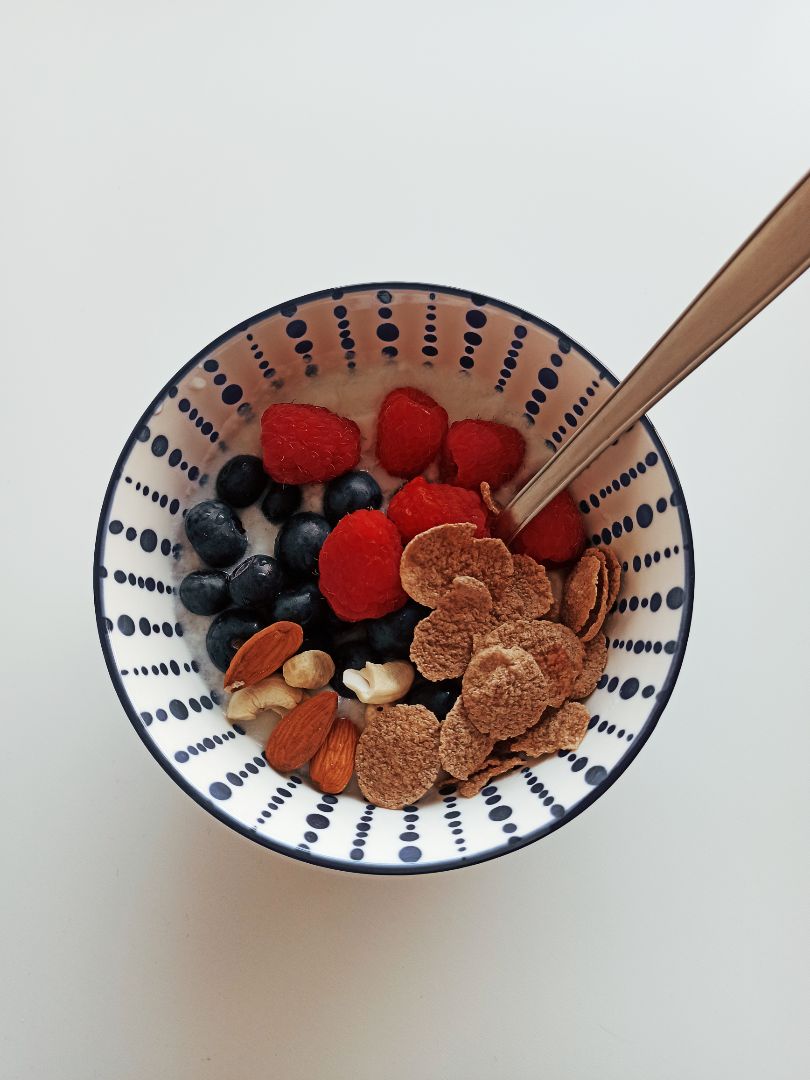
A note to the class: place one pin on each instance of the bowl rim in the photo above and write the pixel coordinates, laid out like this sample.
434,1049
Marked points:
662,698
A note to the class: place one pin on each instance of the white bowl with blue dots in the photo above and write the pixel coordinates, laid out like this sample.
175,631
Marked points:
362,340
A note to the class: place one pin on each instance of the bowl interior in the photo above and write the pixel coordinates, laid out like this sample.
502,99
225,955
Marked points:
345,348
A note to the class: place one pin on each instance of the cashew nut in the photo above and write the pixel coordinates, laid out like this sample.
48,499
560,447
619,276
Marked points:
271,694
311,669
380,684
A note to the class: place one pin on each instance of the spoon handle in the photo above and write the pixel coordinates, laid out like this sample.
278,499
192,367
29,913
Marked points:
769,260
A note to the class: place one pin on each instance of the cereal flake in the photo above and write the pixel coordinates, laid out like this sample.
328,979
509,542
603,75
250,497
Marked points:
397,757
504,691
462,747
491,768
596,652
435,557
525,593
556,650
493,507
562,729
442,641
614,572
585,596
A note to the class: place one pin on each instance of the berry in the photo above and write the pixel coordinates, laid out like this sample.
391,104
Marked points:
391,636
359,566
241,480
205,592
477,450
256,581
410,429
299,543
303,605
439,697
215,532
306,444
327,632
280,501
420,505
354,654
228,632
350,492
556,535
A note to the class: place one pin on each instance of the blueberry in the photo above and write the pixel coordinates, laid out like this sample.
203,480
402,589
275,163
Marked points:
354,654
280,501
303,605
256,582
216,533
391,636
436,696
241,480
299,543
350,492
228,631
205,592
339,629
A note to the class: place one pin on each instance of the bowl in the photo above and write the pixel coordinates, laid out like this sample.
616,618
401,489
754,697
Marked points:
345,348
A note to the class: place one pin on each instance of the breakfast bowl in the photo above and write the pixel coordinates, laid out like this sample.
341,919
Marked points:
346,349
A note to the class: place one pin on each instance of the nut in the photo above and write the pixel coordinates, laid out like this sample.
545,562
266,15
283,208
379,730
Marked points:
300,734
311,669
332,767
263,654
380,684
272,693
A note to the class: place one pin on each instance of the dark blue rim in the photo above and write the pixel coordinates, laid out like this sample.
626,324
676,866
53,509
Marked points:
306,856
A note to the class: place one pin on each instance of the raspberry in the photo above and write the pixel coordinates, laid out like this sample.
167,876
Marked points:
410,429
481,450
359,567
556,535
419,506
306,444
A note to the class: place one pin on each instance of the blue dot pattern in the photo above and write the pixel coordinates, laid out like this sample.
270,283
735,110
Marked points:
630,501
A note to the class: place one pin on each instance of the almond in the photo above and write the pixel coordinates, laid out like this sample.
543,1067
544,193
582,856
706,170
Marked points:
263,654
332,767
300,733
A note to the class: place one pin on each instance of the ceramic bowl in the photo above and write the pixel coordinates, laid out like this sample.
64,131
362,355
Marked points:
477,356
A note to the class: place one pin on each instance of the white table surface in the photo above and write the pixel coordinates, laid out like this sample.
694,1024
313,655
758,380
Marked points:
172,168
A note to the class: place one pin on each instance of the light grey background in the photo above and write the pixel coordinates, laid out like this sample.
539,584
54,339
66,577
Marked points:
174,167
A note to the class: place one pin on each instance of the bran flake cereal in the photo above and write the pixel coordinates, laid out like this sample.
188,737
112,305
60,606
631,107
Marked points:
525,593
492,767
397,758
442,641
557,651
504,692
595,660
562,729
434,558
463,749
585,596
